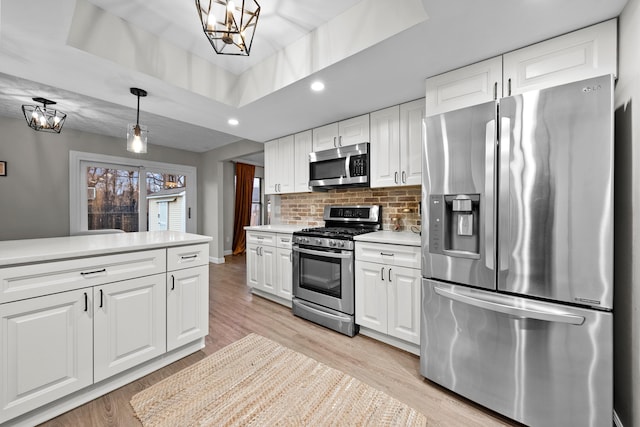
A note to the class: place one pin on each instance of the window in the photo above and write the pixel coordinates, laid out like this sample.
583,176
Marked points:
108,192
256,202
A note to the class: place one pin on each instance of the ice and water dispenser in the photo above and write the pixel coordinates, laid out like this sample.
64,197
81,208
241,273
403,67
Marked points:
454,222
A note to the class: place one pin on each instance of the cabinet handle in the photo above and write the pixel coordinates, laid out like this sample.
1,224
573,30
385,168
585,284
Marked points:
101,301
395,177
86,302
189,214
334,142
390,275
87,273
290,256
495,90
340,141
404,177
385,254
382,273
173,282
509,86
189,256
259,250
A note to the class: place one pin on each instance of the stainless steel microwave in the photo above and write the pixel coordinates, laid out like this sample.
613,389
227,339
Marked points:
339,167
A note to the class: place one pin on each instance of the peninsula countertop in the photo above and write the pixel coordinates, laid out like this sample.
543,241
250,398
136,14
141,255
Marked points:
55,248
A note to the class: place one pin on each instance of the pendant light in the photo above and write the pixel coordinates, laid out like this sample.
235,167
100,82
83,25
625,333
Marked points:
136,133
229,28
43,119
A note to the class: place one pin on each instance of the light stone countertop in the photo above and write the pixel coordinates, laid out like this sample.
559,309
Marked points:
276,228
406,238
56,248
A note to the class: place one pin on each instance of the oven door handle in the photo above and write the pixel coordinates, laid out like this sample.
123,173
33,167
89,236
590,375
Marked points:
327,254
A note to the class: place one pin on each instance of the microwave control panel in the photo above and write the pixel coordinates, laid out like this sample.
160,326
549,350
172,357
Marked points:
358,166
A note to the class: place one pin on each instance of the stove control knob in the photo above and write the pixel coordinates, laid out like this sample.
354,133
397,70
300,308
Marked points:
342,243
318,241
332,243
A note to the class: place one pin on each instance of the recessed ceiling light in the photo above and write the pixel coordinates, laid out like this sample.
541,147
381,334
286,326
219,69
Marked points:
233,122
317,86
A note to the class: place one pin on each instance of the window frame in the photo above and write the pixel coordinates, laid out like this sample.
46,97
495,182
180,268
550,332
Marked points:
78,187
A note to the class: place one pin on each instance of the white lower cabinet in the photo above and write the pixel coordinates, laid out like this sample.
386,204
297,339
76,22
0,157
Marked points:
388,290
129,324
269,265
47,350
67,346
187,305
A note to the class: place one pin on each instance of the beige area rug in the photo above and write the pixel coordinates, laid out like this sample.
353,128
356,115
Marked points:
257,382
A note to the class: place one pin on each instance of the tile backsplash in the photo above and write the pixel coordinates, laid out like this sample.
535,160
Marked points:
399,203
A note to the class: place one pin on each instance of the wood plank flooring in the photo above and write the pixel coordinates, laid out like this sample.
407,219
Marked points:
234,312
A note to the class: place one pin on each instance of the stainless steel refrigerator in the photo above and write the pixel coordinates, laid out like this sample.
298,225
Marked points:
517,257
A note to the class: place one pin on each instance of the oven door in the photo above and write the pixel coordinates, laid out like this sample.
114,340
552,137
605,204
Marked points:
325,277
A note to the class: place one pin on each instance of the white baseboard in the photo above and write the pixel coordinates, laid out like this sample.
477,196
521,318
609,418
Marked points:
228,252
393,341
216,260
616,420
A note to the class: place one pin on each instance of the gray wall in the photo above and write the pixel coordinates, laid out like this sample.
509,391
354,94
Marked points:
34,197
211,188
627,198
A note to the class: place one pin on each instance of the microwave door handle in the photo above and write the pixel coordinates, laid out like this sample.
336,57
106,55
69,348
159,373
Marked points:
346,167
322,253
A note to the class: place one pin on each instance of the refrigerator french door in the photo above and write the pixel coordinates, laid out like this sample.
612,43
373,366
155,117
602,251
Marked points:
517,261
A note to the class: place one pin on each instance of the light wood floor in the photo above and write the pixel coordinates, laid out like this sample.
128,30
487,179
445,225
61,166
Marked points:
234,312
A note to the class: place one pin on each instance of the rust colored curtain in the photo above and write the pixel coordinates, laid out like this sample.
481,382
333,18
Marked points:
244,192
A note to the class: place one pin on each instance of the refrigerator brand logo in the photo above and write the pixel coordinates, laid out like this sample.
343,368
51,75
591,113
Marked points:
588,89
588,301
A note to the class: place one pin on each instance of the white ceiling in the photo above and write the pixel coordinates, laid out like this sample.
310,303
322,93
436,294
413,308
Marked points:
86,54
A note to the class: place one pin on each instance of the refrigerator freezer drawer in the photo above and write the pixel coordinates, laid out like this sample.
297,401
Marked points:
536,362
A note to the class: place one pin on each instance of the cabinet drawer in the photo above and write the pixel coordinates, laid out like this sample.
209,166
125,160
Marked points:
187,256
261,238
398,255
29,281
284,241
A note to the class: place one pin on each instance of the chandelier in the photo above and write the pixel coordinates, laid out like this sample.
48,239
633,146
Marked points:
43,119
137,134
229,28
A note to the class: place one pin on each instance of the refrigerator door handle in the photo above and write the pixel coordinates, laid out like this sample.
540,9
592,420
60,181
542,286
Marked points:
490,147
538,313
503,196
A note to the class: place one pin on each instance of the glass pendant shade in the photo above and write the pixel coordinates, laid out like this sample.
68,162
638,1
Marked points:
42,119
137,136
229,27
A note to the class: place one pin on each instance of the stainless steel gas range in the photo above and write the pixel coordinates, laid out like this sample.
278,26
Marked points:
323,266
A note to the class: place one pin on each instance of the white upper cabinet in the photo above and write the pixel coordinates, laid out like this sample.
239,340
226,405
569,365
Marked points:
279,157
341,134
579,55
396,145
303,146
470,85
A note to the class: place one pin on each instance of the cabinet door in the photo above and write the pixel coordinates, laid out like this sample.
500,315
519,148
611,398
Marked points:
404,303
286,159
271,166
579,55
269,268
303,146
254,266
129,324
411,115
46,348
284,273
470,85
371,296
325,137
187,306
353,131
385,147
